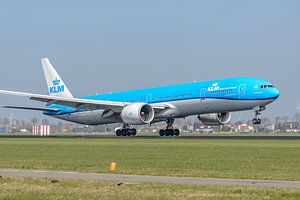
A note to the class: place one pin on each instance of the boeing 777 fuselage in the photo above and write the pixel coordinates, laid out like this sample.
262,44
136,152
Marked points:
212,101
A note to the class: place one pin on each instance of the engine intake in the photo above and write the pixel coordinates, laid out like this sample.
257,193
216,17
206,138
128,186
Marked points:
215,118
137,114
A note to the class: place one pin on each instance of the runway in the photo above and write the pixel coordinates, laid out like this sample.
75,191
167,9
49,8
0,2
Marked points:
229,137
123,179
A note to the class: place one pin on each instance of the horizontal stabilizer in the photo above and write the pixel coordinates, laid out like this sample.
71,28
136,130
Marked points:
77,103
32,108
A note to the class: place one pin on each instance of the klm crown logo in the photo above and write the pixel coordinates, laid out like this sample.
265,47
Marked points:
56,88
56,81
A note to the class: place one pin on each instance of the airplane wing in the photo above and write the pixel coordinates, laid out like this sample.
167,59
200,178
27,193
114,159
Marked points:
64,97
77,103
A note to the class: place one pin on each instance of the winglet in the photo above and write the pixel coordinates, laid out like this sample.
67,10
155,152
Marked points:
56,86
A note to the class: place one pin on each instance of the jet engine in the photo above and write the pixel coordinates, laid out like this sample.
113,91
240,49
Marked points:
137,114
215,118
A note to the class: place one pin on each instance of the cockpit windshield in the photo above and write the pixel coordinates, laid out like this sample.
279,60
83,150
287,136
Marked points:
267,86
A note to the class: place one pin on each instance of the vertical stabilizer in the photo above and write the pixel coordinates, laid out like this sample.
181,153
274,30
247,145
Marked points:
56,86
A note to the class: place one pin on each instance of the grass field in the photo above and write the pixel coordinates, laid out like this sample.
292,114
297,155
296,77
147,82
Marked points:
249,159
156,134
20,188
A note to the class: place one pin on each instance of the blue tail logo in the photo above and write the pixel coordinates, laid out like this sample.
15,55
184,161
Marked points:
56,88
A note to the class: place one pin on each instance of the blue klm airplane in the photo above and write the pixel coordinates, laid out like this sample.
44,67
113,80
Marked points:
212,101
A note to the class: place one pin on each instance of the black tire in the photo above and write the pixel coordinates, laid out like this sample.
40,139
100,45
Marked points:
254,121
128,132
167,132
118,132
176,132
124,132
258,121
133,131
171,132
162,132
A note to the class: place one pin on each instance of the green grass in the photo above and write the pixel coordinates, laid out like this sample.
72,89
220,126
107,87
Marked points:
156,134
248,159
31,189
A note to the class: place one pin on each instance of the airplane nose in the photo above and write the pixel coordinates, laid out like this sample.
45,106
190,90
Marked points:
276,93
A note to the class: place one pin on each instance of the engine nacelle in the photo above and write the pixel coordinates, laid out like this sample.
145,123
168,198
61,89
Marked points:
137,114
215,118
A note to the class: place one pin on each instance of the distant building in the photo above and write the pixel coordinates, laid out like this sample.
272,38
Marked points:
245,128
269,127
291,126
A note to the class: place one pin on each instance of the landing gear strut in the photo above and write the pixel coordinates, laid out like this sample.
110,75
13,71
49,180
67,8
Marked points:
169,131
126,131
257,119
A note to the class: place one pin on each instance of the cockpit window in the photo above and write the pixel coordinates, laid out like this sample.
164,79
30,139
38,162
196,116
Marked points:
267,86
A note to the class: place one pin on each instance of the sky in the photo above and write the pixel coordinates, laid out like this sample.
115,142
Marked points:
105,46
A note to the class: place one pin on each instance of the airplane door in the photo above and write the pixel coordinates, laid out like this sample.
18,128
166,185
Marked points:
202,94
242,90
149,98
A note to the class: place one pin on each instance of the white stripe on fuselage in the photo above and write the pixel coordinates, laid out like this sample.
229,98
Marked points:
178,109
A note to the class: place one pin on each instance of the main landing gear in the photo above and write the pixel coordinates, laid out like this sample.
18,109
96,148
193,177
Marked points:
257,119
126,131
169,131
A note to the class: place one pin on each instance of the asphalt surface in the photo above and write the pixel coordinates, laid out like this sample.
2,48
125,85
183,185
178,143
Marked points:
123,179
248,137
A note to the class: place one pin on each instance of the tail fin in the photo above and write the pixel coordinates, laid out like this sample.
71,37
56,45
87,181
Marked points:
56,86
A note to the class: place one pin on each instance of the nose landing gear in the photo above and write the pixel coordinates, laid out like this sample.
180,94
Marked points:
258,110
169,131
256,121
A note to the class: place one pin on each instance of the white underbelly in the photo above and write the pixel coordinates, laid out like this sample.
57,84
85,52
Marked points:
197,106
88,117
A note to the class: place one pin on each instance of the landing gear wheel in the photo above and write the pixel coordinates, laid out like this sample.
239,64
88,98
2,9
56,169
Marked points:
119,132
256,121
124,132
171,132
162,132
133,131
167,132
176,132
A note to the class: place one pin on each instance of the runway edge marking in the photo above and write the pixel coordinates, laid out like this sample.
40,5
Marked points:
121,178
